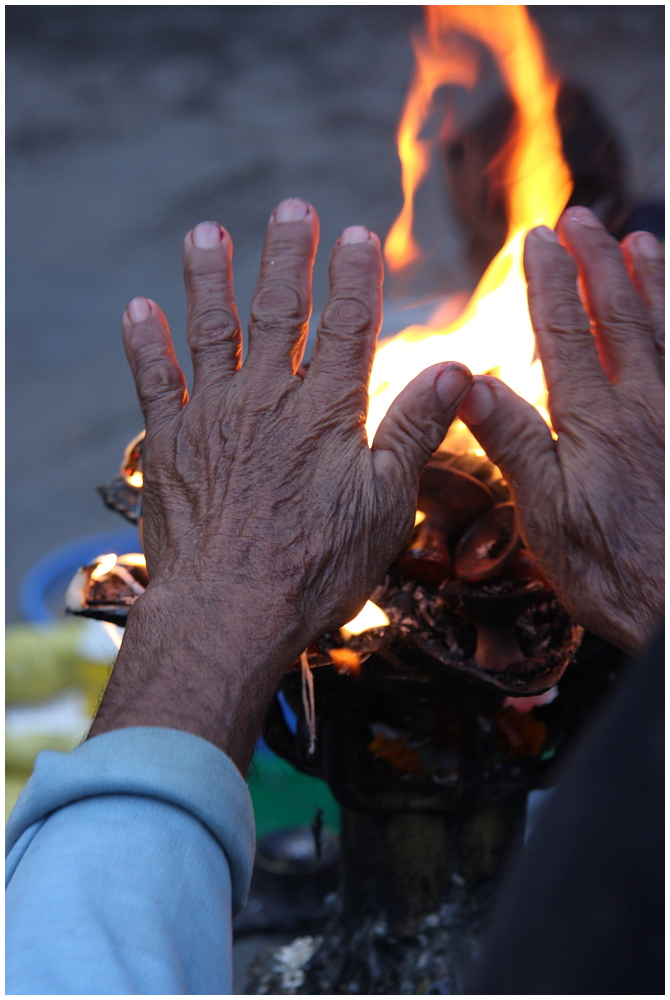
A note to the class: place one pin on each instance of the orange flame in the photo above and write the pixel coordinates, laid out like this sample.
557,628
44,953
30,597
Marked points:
494,331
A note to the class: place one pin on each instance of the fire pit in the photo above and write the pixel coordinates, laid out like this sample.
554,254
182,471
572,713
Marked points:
430,731
431,716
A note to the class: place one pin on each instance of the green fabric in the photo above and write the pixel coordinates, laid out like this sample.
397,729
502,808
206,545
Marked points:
283,797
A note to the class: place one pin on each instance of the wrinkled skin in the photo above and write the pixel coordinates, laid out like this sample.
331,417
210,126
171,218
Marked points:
590,505
267,517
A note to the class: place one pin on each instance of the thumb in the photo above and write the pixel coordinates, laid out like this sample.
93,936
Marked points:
418,419
513,435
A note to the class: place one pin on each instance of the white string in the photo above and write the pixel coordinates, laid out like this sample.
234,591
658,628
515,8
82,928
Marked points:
127,578
308,702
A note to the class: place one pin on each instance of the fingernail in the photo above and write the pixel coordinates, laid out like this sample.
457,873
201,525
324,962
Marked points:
544,233
453,383
291,210
139,310
207,235
649,247
584,217
477,405
354,234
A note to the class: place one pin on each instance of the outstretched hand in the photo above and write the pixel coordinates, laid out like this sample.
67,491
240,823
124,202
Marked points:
590,504
267,517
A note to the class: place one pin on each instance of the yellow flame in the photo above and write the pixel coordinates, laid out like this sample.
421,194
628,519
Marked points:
136,479
134,559
418,518
104,566
371,616
494,332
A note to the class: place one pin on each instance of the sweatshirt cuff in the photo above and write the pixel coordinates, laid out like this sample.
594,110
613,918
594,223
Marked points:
167,764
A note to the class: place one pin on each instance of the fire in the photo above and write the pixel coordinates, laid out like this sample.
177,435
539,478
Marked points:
494,331
105,564
371,616
134,559
114,565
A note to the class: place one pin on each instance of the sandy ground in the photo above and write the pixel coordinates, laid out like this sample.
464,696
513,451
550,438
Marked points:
128,125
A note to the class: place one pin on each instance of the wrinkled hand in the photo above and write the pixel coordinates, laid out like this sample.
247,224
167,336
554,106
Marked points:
262,487
590,504
267,517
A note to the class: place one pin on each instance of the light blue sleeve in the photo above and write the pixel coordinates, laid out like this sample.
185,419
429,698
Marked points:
125,861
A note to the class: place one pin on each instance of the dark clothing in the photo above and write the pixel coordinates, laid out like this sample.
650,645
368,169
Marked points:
581,910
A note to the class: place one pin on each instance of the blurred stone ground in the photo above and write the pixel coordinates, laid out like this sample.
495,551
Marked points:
127,125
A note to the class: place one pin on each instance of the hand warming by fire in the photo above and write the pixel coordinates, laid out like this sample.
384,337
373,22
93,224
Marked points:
267,518
410,547
248,475
239,511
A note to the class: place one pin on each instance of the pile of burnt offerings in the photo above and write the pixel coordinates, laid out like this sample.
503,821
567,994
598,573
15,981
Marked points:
464,595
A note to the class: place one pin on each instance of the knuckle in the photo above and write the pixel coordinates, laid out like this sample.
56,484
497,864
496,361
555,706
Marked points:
356,258
278,303
346,315
513,451
423,434
288,247
552,269
158,381
143,340
622,308
208,271
607,247
213,325
565,318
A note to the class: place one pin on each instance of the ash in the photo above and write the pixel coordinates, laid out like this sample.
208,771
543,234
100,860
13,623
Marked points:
371,959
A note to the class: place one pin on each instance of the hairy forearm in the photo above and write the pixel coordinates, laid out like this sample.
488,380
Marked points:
188,663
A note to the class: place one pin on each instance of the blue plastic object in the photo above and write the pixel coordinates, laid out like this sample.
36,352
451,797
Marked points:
64,561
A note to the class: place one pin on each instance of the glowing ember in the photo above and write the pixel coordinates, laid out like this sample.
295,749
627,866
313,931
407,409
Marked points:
370,617
136,479
105,564
494,332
